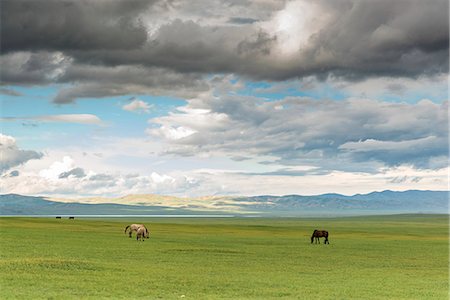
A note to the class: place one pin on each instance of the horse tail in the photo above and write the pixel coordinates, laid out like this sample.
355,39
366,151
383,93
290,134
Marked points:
126,228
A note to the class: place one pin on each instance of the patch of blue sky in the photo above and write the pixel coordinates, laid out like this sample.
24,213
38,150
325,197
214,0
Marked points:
37,101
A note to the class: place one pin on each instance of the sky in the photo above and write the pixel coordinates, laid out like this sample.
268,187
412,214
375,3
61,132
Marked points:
198,98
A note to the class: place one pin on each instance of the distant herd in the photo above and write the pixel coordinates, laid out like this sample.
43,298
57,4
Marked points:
143,233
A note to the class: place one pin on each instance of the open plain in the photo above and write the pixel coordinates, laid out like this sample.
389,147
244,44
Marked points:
378,257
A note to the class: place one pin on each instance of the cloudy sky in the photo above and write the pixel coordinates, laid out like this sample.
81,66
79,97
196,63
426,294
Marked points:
194,98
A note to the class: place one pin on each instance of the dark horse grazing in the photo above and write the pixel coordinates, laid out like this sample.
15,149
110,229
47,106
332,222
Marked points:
318,234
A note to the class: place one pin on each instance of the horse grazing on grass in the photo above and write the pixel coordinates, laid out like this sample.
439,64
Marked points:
142,233
135,227
318,234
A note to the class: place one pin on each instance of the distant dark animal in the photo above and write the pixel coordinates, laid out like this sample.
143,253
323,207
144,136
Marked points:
135,227
318,234
142,233
71,218
58,217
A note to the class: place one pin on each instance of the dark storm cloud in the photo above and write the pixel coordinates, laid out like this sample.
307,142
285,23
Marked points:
101,81
238,20
385,37
63,41
71,24
40,68
26,68
359,38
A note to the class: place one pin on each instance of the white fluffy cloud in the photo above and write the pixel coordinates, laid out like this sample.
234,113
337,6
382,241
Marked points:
203,182
137,106
57,168
67,176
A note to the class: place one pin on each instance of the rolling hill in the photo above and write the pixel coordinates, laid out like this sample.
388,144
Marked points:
386,202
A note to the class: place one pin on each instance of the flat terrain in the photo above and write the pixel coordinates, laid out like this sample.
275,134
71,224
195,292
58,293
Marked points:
389,257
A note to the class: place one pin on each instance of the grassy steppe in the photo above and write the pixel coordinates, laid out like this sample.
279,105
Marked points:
390,257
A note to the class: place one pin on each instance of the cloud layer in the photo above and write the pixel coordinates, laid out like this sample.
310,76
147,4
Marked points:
117,47
332,135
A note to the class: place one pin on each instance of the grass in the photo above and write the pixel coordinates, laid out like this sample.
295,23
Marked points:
390,257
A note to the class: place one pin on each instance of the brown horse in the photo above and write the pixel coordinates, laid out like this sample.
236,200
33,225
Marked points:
142,233
135,227
318,234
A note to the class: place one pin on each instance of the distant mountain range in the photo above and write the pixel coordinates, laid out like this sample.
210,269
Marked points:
386,202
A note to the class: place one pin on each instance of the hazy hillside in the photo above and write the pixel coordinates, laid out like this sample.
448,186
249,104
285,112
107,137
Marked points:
385,202
12,204
376,202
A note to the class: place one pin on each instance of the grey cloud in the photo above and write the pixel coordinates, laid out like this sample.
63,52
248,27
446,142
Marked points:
12,156
363,38
329,134
239,20
396,88
240,158
101,177
77,173
42,68
402,179
103,81
385,37
10,92
38,68
416,151
107,48
14,173
71,25
260,43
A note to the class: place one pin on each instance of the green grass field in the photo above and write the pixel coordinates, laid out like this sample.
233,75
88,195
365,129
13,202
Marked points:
390,257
